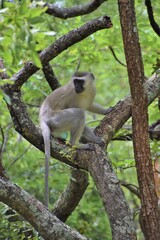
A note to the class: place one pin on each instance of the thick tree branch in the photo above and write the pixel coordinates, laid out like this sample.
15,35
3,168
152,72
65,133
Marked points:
153,23
109,189
74,11
141,146
59,46
154,133
154,130
47,224
71,196
121,112
50,76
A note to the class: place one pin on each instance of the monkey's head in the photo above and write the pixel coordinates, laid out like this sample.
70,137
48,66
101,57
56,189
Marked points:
82,80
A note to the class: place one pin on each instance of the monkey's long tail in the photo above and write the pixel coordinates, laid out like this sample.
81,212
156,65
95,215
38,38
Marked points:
46,137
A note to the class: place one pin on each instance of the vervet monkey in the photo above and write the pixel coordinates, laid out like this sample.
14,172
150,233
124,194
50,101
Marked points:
64,110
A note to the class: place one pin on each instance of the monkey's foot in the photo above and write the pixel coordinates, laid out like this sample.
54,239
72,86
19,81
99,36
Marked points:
86,146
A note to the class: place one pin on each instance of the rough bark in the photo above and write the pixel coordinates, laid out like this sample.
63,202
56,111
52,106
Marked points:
108,186
47,224
149,203
153,23
72,195
74,11
50,76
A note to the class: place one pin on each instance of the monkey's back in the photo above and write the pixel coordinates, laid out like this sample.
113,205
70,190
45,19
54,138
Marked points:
66,97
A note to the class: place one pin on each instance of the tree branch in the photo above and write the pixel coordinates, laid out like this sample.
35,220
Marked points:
59,46
132,188
50,76
74,11
71,196
47,224
153,23
154,130
154,133
114,55
109,189
121,112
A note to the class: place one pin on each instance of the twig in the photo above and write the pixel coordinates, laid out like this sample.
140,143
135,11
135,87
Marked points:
64,13
132,188
114,55
153,23
17,158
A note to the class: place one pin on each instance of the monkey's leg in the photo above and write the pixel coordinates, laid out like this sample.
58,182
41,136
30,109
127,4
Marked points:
71,119
89,135
77,129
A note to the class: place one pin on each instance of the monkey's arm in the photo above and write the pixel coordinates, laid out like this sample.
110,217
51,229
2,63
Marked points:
96,108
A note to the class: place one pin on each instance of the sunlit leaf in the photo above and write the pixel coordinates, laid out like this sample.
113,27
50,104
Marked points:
7,99
36,59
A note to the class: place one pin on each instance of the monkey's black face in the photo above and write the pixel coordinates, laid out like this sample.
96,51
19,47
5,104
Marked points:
79,85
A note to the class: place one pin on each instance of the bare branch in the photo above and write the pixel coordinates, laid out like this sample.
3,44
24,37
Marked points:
59,46
132,188
19,157
154,133
114,55
71,196
50,76
154,130
153,23
108,186
121,112
64,13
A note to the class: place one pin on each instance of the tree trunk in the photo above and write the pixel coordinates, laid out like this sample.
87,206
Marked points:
149,203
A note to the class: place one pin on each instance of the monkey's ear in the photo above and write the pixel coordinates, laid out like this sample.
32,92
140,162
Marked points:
92,76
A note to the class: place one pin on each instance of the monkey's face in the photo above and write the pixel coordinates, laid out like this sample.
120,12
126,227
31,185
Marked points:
79,85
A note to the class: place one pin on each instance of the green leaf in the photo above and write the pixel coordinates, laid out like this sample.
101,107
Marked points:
36,59
7,98
23,7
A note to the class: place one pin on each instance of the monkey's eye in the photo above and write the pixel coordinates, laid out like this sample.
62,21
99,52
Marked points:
78,81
